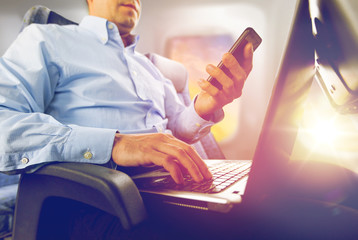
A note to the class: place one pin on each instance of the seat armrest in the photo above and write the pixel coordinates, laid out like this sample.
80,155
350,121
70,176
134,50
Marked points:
106,189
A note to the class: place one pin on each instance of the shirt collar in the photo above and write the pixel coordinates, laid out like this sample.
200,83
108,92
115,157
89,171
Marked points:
104,29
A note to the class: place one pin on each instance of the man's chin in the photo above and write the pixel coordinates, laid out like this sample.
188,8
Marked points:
126,27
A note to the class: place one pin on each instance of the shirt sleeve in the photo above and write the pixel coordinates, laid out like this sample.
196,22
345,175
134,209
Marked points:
183,121
29,137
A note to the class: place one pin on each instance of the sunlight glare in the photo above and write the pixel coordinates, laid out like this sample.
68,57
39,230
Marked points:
324,132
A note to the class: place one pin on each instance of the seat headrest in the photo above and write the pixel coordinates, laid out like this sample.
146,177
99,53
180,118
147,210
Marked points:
174,71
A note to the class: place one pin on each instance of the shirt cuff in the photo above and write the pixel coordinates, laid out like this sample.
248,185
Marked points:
89,145
199,125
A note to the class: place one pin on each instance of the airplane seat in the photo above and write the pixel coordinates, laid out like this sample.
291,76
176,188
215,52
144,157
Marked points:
8,189
43,15
60,187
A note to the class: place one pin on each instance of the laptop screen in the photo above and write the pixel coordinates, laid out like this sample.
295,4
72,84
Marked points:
300,121
329,128
284,112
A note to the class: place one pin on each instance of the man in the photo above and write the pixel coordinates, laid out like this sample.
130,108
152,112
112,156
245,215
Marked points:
82,93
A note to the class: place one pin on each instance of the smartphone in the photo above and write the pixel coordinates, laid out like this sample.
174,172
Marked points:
249,35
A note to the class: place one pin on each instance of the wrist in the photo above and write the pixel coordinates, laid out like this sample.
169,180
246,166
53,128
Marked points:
203,109
117,138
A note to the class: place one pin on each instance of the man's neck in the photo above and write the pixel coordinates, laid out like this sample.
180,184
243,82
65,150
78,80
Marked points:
127,39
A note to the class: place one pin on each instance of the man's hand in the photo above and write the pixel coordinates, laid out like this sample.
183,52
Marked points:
160,149
211,99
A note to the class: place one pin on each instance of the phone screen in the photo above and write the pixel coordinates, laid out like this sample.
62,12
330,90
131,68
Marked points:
237,50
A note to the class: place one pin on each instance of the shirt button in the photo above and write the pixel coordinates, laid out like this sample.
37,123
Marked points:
110,26
25,160
134,73
88,155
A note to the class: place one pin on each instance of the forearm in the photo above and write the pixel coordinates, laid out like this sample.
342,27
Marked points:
31,139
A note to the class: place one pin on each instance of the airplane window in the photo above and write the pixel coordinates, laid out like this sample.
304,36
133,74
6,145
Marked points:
195,52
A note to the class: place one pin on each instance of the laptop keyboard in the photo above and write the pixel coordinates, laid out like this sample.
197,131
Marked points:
224,173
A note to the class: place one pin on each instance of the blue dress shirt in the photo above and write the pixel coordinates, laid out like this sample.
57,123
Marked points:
66,90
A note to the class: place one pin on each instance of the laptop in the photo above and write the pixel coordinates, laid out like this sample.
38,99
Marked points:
236,181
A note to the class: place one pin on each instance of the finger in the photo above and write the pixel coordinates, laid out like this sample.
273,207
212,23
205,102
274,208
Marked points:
199,162
174,169
248,58
179,154
238,73
208,87
193,161
190,150
169,164
234,67
220,75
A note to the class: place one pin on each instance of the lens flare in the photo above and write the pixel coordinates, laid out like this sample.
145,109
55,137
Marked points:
323,131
